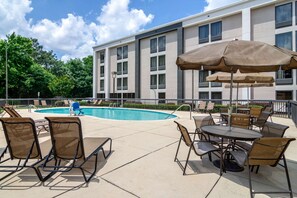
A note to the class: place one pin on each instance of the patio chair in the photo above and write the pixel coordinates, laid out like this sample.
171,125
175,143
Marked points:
210,107
76,107
43,103
201,106
261,120
240,120
66,102
265,151
36,103
269,129
41,124
255,112
69,145
200,147
23,147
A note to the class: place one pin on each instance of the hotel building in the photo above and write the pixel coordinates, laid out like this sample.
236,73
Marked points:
142,66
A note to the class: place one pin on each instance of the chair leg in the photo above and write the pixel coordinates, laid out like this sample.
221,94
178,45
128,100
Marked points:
177,149
288,178
87,180
250,182
187,160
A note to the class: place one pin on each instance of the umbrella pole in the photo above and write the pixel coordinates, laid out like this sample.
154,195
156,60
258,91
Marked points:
230,106
237,98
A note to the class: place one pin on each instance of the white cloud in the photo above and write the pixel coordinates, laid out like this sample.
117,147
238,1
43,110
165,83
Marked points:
213,4
12,16
73,36
116,20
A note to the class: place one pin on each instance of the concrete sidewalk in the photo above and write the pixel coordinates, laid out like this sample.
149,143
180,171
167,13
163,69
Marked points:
142,165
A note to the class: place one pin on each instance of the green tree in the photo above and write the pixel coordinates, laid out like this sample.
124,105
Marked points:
19,50
46,59
37,80
81,74
61,86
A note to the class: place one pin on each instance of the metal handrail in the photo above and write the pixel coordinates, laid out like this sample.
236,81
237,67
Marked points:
183,105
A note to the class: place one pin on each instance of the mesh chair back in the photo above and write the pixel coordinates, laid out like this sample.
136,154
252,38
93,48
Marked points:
271,129
240,120
202,105
268,109
36,102
262,118
210,106
255,112
66,136
11,111
21,137
185,134
268,151
201,121
43,103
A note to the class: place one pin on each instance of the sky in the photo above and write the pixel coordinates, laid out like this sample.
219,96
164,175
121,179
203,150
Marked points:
72,27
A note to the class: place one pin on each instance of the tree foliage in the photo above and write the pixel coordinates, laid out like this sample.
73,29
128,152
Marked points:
31,69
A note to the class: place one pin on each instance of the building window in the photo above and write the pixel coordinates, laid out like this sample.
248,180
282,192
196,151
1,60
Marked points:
161,95
122,52
284,77
125,83
284,95
202,78
283,15
125,52
101,85
158,44
102,71
216,96
154,63
162,81
203,95
119,83
153,81
203,34
119,68
119,53
125,67
162,63
101,57
153,44
162,43
216,31
284,40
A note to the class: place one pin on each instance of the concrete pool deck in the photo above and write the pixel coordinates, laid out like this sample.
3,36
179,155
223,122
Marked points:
141,165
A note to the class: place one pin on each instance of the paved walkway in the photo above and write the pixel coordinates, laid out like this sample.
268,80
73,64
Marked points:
142,165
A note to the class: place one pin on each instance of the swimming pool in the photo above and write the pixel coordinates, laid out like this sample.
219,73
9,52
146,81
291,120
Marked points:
115,113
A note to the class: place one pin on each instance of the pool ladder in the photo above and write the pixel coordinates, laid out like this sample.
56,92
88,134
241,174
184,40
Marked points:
183,105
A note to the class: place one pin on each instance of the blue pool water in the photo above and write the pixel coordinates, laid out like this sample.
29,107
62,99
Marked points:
115,113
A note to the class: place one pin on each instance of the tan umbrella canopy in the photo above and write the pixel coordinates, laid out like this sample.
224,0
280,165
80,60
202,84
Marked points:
231,56
244,85
245,56
240,77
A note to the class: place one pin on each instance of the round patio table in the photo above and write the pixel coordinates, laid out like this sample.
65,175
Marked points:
233,133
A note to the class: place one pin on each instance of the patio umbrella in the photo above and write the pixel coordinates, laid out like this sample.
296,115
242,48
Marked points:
247,85
248,78
240,78
245,56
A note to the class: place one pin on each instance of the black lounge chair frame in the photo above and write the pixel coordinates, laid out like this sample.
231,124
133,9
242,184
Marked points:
79,153
24,158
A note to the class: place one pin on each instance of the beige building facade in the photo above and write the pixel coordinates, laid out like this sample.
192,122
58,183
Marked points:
142,66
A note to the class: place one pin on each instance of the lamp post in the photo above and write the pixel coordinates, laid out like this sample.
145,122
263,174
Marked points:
113,75
6,74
